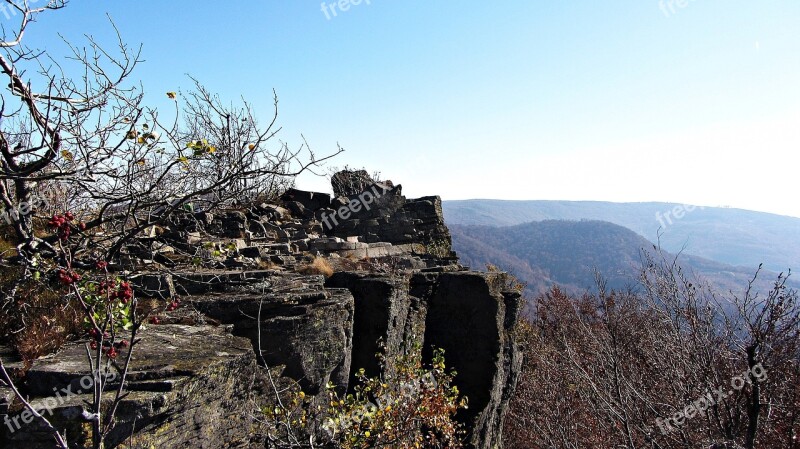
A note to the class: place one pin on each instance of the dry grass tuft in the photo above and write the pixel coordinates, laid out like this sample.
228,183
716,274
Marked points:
319,265
39,321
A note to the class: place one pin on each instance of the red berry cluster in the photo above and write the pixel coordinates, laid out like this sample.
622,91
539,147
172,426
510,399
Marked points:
96,335
68,277
101,265
110,350
174,305
123,291
155,320
62,224
105,286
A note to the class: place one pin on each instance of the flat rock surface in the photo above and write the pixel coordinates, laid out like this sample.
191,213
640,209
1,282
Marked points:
165,351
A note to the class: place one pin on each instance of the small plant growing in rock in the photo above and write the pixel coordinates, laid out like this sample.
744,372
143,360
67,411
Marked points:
414,407
503,281
411,406
291,412
439,248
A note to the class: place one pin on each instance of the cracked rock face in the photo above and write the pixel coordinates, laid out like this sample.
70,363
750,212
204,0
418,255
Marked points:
474,323
306,329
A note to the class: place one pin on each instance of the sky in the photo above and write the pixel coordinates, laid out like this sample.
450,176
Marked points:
687,101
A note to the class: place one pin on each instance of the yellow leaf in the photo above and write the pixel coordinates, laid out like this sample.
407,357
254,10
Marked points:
67,155
140,162
251,147
172,95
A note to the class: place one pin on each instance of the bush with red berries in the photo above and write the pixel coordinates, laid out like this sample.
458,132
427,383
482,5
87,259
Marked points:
108,302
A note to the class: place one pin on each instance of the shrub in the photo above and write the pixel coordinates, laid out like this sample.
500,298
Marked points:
412,406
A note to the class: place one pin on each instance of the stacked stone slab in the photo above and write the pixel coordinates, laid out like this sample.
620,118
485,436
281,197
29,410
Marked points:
303,224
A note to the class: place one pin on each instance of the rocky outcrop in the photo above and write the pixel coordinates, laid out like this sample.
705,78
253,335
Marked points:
369,212
198,376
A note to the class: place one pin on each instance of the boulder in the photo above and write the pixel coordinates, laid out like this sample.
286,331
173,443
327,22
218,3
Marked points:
234,224
350,182
310,200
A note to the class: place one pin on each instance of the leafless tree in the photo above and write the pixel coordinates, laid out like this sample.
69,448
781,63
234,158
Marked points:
77,139
115,160
635,368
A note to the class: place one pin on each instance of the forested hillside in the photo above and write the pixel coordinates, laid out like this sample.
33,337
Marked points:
568,253
730,236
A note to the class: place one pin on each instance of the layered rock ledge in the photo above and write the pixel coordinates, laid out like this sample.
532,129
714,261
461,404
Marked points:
197,377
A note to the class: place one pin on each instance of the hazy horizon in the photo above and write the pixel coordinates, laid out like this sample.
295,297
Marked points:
625,202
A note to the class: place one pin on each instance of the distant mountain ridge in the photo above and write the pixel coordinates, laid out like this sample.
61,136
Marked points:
730,236
568,253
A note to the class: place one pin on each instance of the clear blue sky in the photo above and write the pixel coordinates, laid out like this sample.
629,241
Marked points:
627,100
